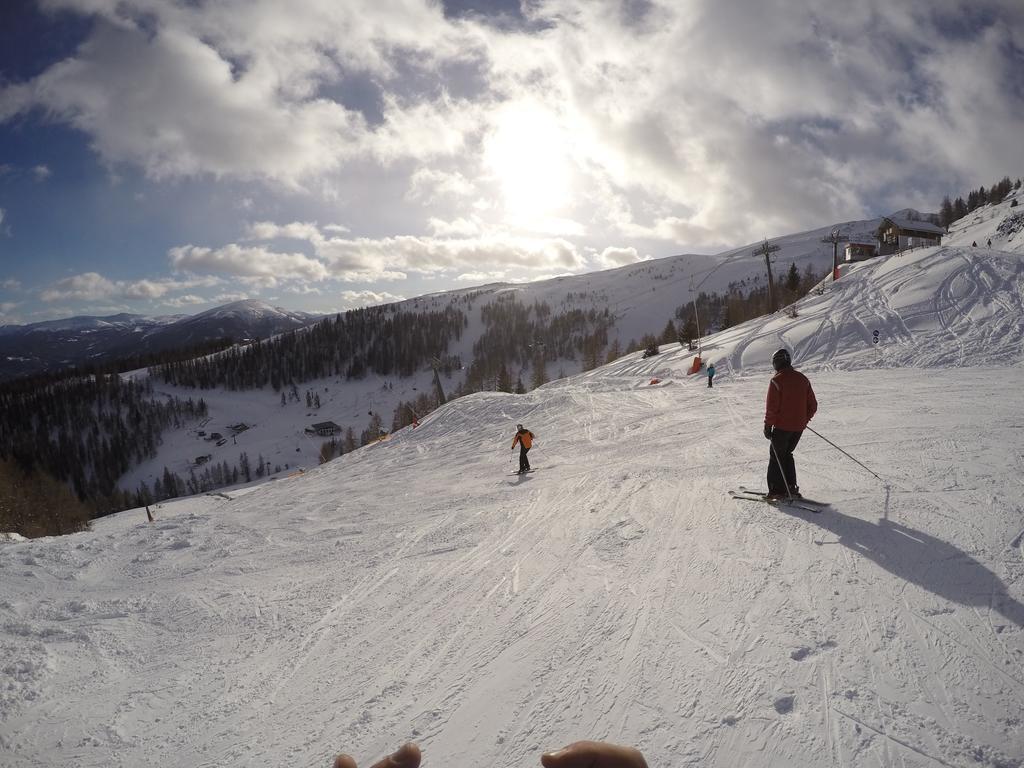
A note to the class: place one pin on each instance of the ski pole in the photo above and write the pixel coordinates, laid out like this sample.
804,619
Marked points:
845,453
778,461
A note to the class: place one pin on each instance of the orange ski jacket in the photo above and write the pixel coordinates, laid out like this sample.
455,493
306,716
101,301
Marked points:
790,402
525,437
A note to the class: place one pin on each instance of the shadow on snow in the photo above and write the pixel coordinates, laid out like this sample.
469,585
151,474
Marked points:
921,559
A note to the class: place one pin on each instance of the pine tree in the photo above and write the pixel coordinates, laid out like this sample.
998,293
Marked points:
35,504
504,380
614,352
374,430
650,345
591,353
959,209
669,335
946,216
328,450
792,283
540,372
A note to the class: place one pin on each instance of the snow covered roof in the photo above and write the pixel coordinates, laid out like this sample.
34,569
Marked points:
913,225
325,425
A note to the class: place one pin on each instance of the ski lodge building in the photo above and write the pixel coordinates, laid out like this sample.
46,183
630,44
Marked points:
861,250
324,428
897,234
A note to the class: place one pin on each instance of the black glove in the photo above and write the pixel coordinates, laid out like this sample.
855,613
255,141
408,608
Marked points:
768,431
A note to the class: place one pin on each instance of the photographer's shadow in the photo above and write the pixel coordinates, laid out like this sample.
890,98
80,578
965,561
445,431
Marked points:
920,558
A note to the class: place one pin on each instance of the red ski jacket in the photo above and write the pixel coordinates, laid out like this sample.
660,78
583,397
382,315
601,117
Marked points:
525,437
791,402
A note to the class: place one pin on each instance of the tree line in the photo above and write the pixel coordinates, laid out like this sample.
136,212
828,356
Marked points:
743,300
85,432
953,210
383,340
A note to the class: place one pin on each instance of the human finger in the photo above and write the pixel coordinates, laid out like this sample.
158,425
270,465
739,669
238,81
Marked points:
594,754
407,756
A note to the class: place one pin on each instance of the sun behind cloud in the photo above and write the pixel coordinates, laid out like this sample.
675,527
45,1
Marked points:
530,157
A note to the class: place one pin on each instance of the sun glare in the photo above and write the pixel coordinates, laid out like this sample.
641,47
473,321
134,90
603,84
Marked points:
528,154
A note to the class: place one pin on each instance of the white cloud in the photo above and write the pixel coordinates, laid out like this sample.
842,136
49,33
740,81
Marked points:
42,172
172,105
233,88
617,257
354,299
303,290
11,285
91,286
297,230
87,286
430,185
697,124
460,227
353,258
388,258
256,262
186,300
481,277
227,298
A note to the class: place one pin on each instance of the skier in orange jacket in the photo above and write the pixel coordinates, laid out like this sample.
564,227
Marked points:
789,406
524,438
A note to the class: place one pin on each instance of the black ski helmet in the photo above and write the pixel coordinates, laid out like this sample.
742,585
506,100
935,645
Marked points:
781,359
519,427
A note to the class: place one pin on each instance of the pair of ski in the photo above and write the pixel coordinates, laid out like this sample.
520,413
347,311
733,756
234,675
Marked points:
749,494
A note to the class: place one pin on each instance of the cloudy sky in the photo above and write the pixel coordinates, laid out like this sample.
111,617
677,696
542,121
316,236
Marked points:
164,156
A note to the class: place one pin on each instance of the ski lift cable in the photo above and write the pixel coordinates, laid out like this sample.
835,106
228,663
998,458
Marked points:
690,276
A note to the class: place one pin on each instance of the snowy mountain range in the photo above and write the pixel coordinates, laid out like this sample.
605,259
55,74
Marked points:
55,344
416,589
642,297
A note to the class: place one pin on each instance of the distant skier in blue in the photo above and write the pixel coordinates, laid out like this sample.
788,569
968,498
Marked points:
711,374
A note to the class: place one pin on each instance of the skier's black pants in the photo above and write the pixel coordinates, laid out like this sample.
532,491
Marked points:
524,463
781,467
709,382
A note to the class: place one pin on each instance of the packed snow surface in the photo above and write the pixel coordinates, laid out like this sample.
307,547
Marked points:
417,589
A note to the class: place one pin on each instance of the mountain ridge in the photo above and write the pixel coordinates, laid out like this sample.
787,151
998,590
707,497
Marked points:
53,345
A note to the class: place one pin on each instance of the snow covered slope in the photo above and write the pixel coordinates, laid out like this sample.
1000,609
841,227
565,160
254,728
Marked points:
415,589
1002,223
642,297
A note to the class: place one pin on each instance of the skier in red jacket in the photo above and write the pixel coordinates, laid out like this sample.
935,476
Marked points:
790,405
524,438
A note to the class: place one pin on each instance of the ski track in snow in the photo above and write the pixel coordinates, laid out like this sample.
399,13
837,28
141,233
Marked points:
414,590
